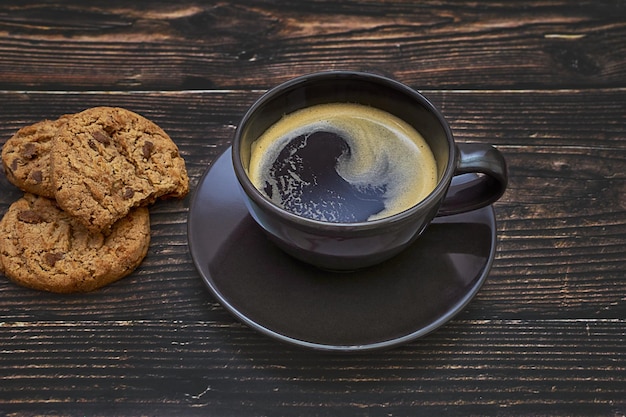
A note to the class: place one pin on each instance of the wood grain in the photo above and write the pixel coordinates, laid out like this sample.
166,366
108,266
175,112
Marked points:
538,367
544,81
117,45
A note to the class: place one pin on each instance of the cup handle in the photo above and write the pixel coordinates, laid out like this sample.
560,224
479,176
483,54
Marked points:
480,179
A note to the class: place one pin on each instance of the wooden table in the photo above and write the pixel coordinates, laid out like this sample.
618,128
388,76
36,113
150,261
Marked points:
544,81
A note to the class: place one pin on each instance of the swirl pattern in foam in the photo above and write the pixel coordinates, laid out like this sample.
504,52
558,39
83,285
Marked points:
343,162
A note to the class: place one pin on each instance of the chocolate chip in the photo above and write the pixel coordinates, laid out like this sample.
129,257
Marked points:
92,144
14,164
102,138
37,176
29,151
147,149
128,193
52,258
29,216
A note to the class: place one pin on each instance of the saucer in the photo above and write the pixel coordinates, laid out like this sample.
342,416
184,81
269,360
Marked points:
378,307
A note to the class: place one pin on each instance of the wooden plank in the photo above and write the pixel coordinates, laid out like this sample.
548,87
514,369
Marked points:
117,45
469,367
562,222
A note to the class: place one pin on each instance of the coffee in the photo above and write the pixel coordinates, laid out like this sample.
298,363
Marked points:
342,163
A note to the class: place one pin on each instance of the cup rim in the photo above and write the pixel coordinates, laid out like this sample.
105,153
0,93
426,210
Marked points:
266,204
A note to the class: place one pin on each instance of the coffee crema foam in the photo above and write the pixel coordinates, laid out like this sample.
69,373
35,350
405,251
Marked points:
343,162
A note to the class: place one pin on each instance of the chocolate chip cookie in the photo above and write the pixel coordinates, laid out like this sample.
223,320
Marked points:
44,248
107,160
26,156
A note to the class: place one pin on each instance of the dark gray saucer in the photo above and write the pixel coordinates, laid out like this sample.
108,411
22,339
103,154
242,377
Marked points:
378,307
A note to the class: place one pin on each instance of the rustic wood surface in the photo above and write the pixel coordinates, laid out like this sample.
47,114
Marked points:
544,81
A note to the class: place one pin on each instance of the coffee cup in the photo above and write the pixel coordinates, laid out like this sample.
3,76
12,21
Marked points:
344,170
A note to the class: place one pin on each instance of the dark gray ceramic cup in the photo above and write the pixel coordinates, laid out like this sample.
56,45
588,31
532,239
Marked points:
470,176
